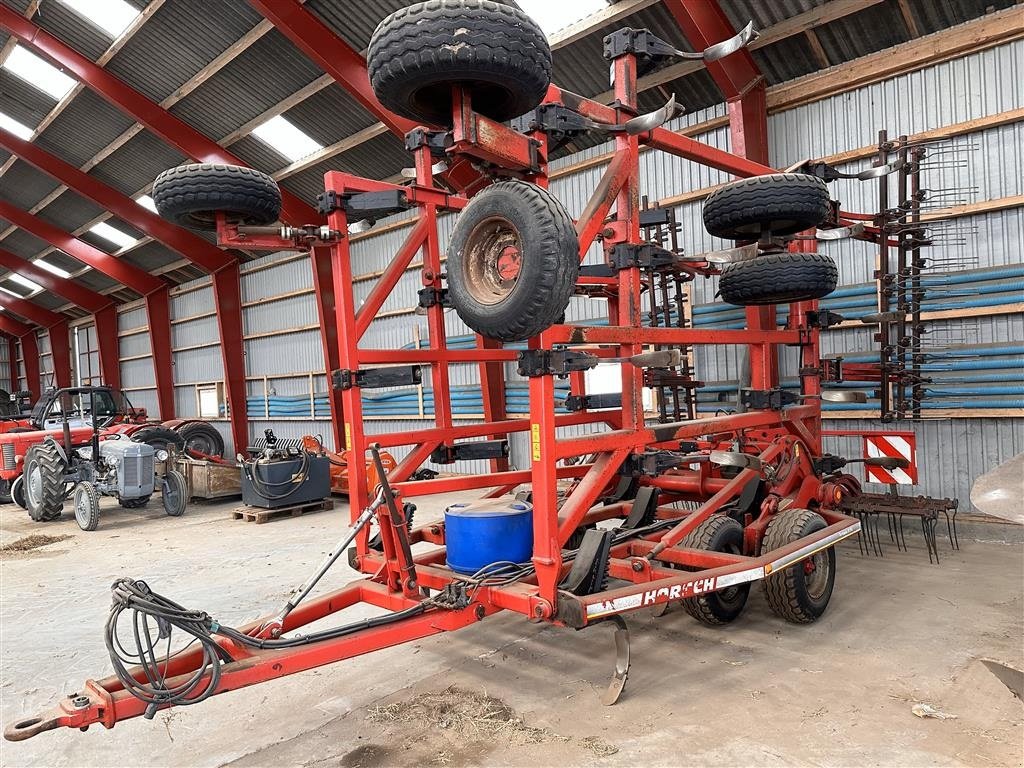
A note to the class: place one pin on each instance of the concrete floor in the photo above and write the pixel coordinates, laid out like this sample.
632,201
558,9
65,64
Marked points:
759,692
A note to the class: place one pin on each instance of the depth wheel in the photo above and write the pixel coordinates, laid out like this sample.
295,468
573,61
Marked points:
777,204
87,506
799,593
778,278
192,195
418,54
513,261
718,533
43,480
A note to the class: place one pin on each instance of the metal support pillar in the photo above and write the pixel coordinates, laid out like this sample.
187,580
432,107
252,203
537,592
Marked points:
106,334
12,363
30,361
227,297
60,353
158,311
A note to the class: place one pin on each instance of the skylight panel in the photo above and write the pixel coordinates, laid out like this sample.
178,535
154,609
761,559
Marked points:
39,73
12,293
20,130
20,280
285,138
115,236
52,268
146,202
112,16
555,16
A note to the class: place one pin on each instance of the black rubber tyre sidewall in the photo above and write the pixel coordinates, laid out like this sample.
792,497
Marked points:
778,278
176,482
418,53
719,533
791,202
92,499
549,269
51,505
786,591
194,429
138,503
159,436
190,195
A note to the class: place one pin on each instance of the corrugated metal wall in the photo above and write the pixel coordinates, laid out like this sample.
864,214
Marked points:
5,365
283,353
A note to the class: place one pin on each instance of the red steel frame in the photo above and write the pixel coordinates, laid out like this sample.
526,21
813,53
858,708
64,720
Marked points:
786,439
56,327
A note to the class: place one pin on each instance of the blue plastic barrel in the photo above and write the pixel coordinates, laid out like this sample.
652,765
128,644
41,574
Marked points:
485,532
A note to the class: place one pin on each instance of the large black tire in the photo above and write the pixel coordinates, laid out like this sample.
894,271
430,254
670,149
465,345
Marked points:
777,203
174,493
192,195
160,437
778,278
513,260
202,437
498,52
138,503
799,593
717,534
43,480
87,506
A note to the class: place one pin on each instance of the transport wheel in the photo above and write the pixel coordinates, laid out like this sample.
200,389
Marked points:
87,506
778,203
192,195
134,503
43,480
202,437
18,492
417,54
174,492
513,261
160,437
778,278
718,533
799,593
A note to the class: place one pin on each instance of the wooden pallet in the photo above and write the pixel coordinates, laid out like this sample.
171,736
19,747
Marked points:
260,515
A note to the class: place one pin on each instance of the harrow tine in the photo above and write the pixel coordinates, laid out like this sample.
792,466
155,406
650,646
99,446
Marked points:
618,682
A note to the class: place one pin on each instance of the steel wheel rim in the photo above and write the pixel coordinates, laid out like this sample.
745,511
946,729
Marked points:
82,507
492,260
34,489
816,573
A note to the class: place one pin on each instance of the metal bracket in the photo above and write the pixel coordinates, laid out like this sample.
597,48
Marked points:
477,449
593,402
644,255
562,123
652,463
650,50
767,399
430,296
822,318
437,141
375,378
554,362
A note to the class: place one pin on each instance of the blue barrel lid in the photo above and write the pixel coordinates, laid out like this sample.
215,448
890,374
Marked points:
489,508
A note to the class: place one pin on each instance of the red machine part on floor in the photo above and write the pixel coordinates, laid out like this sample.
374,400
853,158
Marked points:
572,479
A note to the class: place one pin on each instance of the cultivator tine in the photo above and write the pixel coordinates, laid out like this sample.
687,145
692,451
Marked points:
741,39
618,682
841,233
644,123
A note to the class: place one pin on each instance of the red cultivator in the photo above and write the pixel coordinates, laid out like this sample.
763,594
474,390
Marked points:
701,507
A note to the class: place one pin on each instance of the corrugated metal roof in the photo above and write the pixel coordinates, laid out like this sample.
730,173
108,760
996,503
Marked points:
21,243
23,101
69,211
179,40
73,29
151,256
83,128
265,74
354,21
24,186
135,165
330,115
379,158
63,261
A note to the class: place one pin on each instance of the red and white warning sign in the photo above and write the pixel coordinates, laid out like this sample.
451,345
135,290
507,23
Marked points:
898,444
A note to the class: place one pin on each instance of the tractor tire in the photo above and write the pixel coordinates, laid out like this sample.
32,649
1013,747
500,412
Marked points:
160,437
799,593
138,503
202,437
43,480
18,492
513,260
778,278
174,492
497,52
777,203
192,195
87,506
718,533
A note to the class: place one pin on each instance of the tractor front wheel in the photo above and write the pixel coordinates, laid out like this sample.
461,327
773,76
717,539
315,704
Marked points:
87,506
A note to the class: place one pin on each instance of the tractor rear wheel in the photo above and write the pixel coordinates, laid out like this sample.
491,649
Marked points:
43,479
513,261
497,52
718,533
202,437
799,593
192,195
87,506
